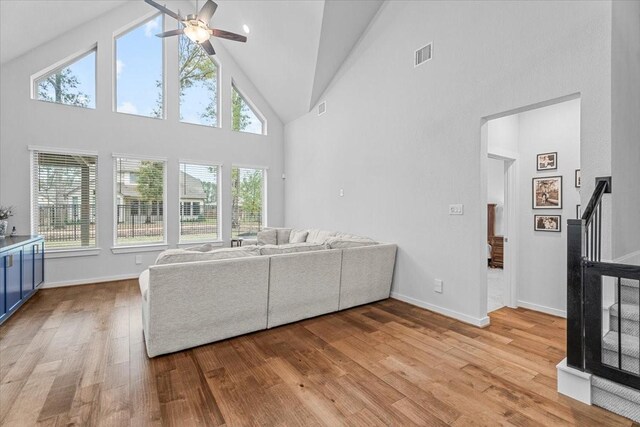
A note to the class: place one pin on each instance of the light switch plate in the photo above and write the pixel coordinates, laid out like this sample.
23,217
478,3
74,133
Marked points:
138,259
456,209
341,192
437,285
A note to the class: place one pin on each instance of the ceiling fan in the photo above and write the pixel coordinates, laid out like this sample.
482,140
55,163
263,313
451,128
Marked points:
196,26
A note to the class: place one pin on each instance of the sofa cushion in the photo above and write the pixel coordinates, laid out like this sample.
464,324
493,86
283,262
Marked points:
290,248
319,236
342,243
207,247
173,256
144,284
298,236
283,235
268,237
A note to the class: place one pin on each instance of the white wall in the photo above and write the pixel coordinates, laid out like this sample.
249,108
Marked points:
625,129
495,191
28,122
542,256
404,142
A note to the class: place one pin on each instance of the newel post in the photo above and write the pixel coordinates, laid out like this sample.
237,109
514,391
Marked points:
575,294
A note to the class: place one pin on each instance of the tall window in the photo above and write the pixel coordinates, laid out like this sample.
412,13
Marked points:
72,84
139,70
198,85
64,199
140,201
248,197
245,117
199,206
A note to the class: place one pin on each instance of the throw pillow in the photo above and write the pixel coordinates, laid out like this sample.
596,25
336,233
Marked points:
298,236
268,237
290,248
284,234
342,243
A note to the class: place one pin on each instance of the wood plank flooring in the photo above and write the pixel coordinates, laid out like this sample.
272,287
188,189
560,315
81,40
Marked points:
76,356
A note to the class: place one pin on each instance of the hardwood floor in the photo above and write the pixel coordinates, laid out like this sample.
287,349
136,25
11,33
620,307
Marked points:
75,356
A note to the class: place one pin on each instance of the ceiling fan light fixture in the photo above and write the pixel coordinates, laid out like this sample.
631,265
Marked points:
197,31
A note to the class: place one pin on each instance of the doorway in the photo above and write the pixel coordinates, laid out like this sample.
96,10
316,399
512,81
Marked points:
531,162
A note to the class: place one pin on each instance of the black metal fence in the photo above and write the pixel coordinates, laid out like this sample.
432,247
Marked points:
245,224
198,221
140,222
65,225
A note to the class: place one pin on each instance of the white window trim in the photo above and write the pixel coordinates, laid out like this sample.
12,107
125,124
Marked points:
62,252
219,197
114,89
218,95
72,253
116,248
265,180
129,249
63,64
253,107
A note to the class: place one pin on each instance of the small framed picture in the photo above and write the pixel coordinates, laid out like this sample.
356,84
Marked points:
578,211
547,161
547,192
547,223
578,178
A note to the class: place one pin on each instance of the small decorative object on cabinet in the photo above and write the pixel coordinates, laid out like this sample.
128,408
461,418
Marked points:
21,271
5,213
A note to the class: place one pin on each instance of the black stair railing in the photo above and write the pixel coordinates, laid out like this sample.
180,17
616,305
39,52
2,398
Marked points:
586,275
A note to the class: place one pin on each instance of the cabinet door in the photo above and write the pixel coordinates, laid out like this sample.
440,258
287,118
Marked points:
3,306
13,277
38,263
27,270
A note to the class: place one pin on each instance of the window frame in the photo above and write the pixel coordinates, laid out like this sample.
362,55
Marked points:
218,96
70,251
265,198
220,211
254,109
141,247
62,64
114,66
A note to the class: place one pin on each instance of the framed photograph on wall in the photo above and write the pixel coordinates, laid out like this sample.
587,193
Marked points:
547,192
578,178
578,211
547,161
547,223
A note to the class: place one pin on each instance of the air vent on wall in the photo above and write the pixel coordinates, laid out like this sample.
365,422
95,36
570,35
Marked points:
322,108
423,54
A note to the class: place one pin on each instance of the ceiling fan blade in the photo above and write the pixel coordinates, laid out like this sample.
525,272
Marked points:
207,11
208,47
164,10
171,33
228,35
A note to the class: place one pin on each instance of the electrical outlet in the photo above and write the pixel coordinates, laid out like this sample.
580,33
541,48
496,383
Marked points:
341,192
437,285
456,209
138,259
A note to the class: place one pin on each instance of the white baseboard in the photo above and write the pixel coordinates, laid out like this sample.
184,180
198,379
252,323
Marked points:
543,309
65,283
574,383
633,258
475,321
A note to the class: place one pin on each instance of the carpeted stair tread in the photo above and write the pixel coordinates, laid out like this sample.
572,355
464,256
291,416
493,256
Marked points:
630,394
630,345
629,311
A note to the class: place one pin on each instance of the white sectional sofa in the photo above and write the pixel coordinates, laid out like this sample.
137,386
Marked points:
201,295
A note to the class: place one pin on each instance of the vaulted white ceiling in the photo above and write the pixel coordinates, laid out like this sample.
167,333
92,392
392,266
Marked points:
294,50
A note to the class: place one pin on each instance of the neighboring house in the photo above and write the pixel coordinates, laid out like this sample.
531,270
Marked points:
130,202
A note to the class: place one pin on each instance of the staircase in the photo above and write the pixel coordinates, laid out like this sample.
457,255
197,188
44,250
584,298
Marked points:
623,316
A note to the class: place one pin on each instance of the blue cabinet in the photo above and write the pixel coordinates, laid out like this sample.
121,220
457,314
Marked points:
21,271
